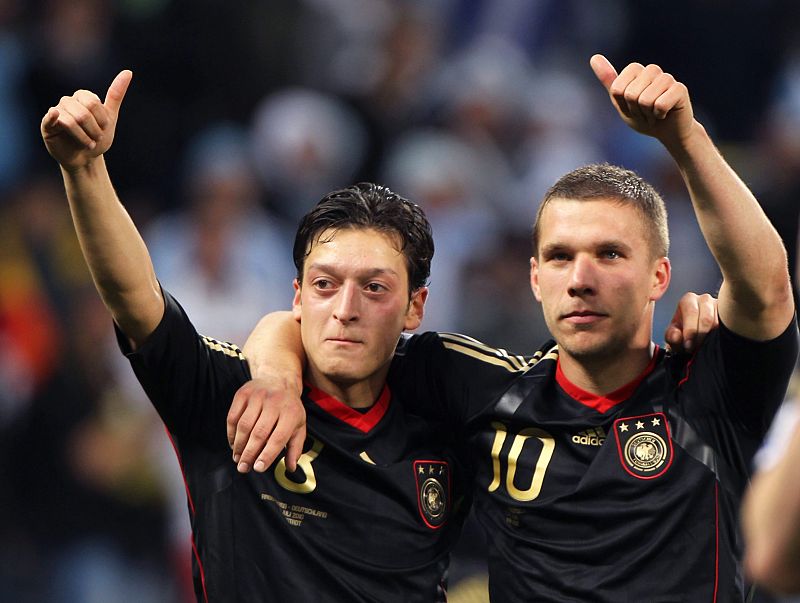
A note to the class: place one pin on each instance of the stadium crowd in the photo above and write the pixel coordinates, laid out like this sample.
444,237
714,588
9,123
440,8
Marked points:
240,117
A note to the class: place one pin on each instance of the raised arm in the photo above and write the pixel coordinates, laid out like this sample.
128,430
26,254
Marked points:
77,132
755,299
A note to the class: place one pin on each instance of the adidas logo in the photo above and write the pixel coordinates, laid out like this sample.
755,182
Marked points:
591,437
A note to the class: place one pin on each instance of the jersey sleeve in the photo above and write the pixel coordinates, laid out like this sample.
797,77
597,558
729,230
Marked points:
748,377
452,377
190,378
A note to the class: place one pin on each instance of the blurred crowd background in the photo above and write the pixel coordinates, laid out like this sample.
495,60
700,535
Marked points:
240,116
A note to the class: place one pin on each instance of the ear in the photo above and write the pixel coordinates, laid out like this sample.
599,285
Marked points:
416,309
297,305
661,276
535,279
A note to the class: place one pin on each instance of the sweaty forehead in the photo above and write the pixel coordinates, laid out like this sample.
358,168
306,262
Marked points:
575,218
357,250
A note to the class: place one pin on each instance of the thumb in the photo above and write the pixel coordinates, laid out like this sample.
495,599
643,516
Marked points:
603,70
117,89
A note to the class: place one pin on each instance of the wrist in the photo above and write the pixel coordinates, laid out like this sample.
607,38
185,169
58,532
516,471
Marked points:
88,169
684,145
287,377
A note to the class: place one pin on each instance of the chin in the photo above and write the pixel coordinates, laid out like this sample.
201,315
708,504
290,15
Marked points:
343,375
589,348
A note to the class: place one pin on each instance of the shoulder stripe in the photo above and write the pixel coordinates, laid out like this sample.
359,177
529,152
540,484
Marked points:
497,356
460,342
226,348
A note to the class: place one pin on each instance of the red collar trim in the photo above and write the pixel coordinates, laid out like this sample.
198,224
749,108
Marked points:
364,422
603,403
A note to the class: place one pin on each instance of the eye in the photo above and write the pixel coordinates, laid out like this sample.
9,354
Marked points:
322,284
375,287
558,256
610,254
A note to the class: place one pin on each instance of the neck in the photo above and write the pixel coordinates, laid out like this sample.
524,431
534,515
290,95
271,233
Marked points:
359,394
606,373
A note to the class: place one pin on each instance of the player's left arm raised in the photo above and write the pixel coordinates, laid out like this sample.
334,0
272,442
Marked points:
755,299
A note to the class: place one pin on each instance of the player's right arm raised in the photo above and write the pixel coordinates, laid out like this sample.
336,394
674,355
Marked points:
77,132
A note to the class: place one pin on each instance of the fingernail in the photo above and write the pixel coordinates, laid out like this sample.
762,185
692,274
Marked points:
243,467
688,345
260,466
236,458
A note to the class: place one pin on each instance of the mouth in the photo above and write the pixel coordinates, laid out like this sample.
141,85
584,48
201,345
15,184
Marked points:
343,341
583,317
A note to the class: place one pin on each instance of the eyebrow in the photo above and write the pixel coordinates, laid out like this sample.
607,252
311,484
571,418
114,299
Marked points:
367,273
603,244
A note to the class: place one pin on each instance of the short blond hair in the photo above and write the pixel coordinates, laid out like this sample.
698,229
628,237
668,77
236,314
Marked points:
606,181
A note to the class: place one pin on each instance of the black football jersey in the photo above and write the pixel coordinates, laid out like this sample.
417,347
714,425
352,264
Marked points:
633,496
369,515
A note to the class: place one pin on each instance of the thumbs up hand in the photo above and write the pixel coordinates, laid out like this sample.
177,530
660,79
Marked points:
81,127
649,100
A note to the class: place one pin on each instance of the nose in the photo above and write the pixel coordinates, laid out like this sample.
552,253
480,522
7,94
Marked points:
347,306
582,277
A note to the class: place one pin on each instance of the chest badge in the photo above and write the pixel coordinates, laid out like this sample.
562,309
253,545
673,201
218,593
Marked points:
433,491
644,445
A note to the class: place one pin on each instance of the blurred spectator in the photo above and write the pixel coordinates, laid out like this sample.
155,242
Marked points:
16,146
40,264
555,141
304,144
223,255
381,57
470,108
447,178
85,503
72,47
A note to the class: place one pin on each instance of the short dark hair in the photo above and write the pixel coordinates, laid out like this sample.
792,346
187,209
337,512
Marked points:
368,205
605,181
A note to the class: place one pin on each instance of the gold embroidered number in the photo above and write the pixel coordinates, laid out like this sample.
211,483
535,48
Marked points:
548,445
304,463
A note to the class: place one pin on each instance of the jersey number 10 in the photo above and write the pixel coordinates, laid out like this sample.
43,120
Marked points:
517,445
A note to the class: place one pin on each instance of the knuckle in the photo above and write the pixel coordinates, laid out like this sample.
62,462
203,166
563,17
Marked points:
631,96
245,423
260,432
250,449
661,105
281,434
